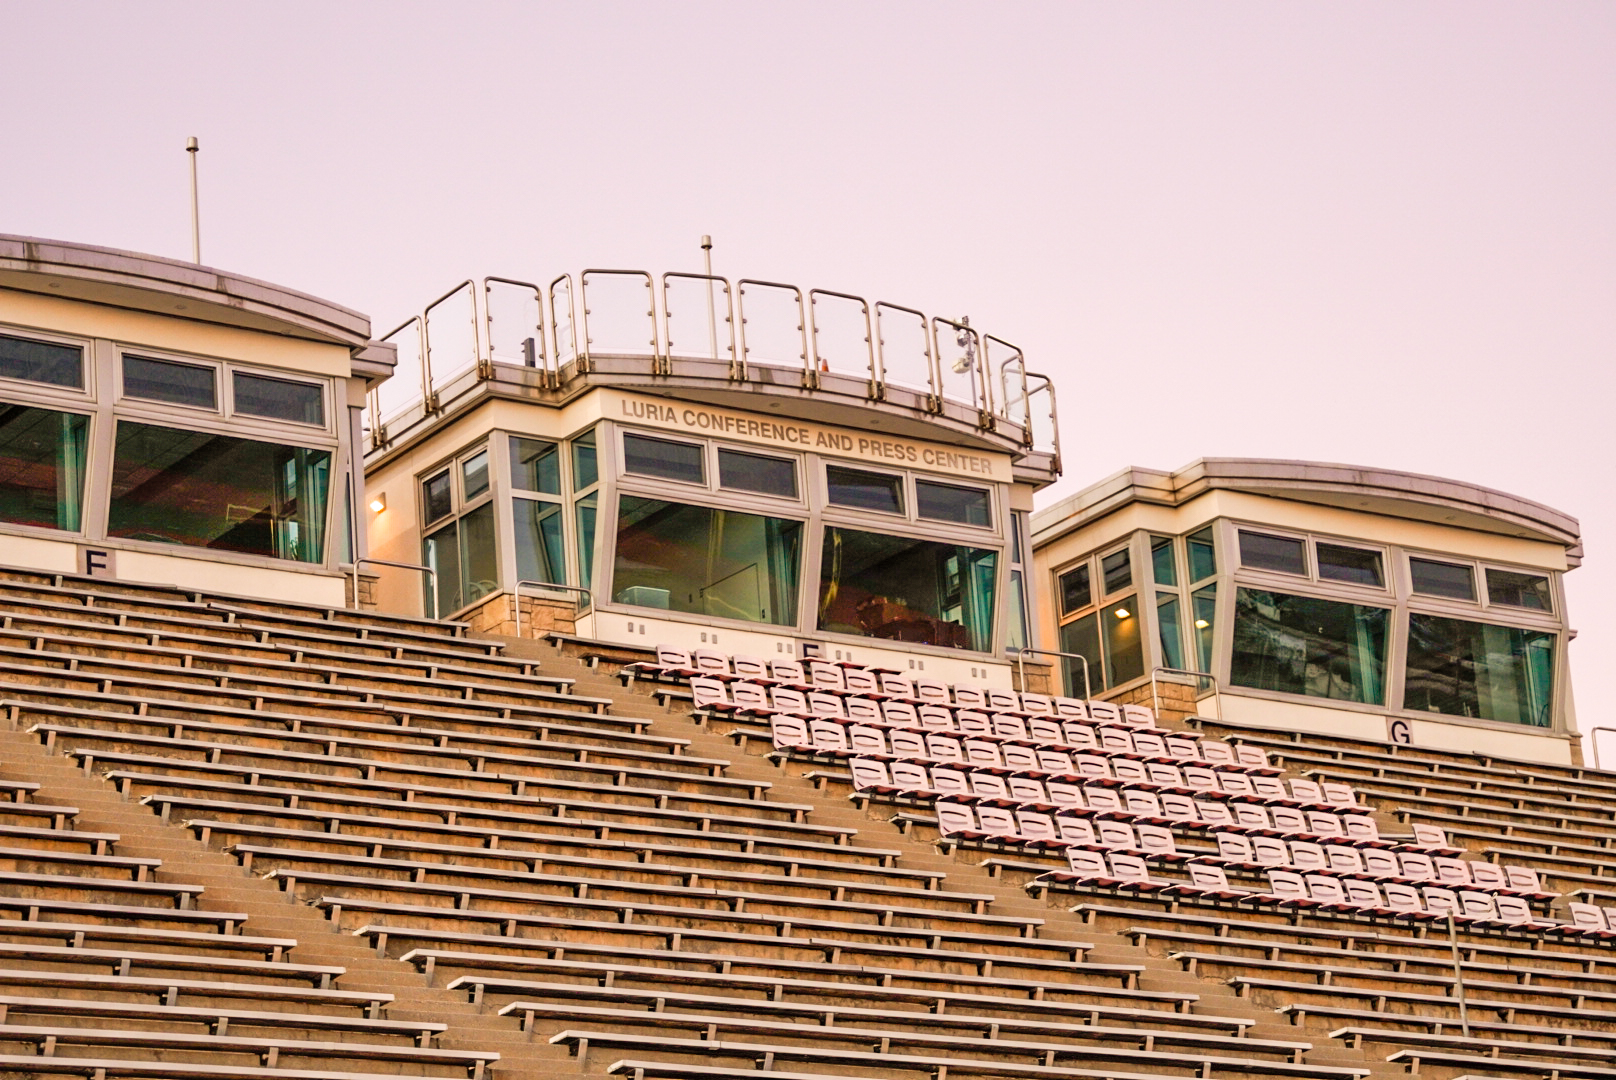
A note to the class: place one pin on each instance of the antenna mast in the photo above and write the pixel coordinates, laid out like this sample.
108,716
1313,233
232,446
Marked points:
196,218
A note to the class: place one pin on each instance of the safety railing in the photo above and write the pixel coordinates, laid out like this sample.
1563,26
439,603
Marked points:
516,593
1021,665
1155,697
629,315
431,578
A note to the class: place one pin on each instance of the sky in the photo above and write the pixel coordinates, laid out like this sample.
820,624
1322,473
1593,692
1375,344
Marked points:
1379,233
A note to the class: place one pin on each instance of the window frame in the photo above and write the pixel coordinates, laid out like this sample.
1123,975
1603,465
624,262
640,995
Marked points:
249,425
81,395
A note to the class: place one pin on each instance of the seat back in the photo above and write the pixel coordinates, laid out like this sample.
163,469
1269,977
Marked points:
864,739
1523,879
983,754
1180,807
1440,901
788,671
672,657
1488,876
909,744
1307,856
1430,837
1037,705
1338,794
1404,898
1092,766
1270,851
1417,866
1344,859
1115,834
986,785
1026,790
895,685
1047,730
1006,726
1209,877
1366,894
1115,740
910,776
1250,816
945,748
947,781
1514,910
1233,847
869,774
1017,756
967,696
995,821
1138,716
708,693
1156,840
1055,761
1034,825
1325,824
1234,783
1129,771
861,708
829,736
860,681
711,662
790,732
1307,791
749,695
936,718
1474,904
1214,813
1148,742
1129,869
972,722
788,700
1065,793
1269,787
749,667
1324,888
1587,916
1214,752
932,691
1103,799
1288,819
825,676
900,713
1252,757
1380,862
1070,708
1287,885
1002,700
1454,873
1360,827
1080,735
825,705
954,819
1200,778
1183,747
1087,863
1104,712
1142,803
1074,830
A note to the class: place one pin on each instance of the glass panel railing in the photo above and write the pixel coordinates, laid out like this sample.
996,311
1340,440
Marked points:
903,349
698,317
1005,361
513,323
842,335
959,362
404,388
451,335
773,329
619,313
1041,409
563,321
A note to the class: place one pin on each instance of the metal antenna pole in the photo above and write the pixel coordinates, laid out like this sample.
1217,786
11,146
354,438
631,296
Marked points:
712,321
196,217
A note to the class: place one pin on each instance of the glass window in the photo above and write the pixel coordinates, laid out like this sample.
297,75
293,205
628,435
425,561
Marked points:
1463,668
585,512
662,458
436,499
1117,571
1204,608
1016,631
41,362
706,561
1162,565
535,466
757,472
278,399
1124,650
216,491
474,475
539,554
1518,590
864,490
1082,637
1355,566
902,589
1453,580
1304,645
1203,556
165,380
42,456
945,502
463,554
1074,589
1282,554
585,467
1169,627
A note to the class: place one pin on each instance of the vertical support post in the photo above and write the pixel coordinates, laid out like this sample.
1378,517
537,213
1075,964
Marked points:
712,320
1458,977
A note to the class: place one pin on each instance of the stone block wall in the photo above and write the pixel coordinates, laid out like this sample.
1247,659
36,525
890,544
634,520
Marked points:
496,615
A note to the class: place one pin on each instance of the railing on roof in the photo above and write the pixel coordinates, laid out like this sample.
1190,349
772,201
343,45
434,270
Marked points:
754,325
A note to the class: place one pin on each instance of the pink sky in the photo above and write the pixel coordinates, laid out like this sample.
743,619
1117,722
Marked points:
1376,233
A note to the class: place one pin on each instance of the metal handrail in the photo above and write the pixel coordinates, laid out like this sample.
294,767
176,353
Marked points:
810,377
431,400
712,319
1155,701
934,385
432,577
650,293
818,362
542,355
1021,665
516,593
979,381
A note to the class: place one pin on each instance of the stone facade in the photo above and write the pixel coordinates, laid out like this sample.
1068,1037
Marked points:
1173,701
496,615
367,591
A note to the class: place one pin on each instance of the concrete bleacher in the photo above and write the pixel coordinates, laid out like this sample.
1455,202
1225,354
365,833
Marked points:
268,840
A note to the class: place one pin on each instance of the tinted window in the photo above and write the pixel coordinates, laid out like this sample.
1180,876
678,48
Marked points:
1304,645
278,399
659,457
1463,668
584,470
1261,551
864,490
1518,590
42,456
755,472
41,362
944,502
1074,590
165,380
1117,571
435,498
1161,561
474,475
1203,557
1352,565
1452,580
535,466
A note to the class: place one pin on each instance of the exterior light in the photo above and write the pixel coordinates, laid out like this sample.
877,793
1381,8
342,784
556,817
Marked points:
1201,624
1123,613
379,503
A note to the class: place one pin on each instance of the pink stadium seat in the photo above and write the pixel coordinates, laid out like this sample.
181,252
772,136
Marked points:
790,732
967,696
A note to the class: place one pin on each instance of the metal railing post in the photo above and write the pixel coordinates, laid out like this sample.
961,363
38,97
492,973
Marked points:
516,594
1155,701
1021,665
431,574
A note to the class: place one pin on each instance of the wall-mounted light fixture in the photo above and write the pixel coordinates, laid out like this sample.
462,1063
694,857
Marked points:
379,503
1123,613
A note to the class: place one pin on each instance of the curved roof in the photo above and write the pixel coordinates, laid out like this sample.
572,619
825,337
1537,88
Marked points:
185,290
1350,487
